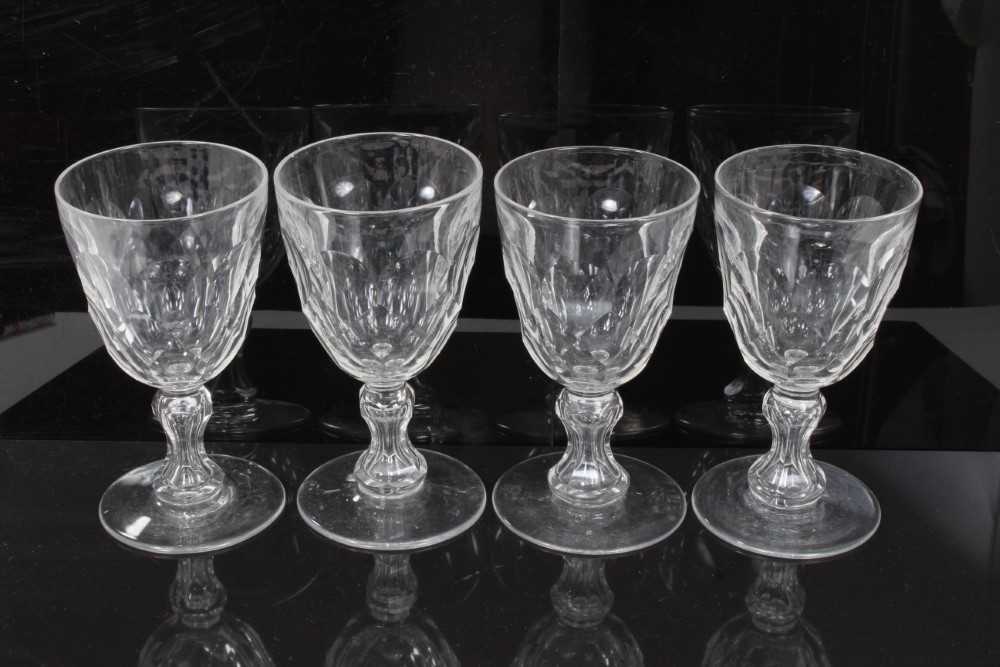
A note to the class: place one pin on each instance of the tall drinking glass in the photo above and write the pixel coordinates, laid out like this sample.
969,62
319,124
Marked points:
643,127
381,231
714,133
812,244
592,239
460,124
166,240
270,133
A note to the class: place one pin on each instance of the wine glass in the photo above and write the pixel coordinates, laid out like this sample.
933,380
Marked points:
391,631
270,133
772,631
812,244
580,630
200,631
461,124
715,132
592,241
644,127
166,240
380,231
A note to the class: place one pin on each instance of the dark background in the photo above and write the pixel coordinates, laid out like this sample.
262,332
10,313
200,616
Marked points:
924,74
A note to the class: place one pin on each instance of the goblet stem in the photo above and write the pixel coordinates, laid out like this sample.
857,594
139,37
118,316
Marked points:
587,474
582,597
196,593
787,477
776,599
392,588
188,480
391,466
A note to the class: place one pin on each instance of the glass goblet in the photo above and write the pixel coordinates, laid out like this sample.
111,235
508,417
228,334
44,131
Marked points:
166,240
380,231
715,132
812,244
644,127
592,240
270,133
201,631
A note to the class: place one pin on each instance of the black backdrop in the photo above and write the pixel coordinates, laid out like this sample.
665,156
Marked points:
921,73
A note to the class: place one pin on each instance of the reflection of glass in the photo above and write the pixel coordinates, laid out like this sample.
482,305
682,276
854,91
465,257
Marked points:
592,240
381,230
200,631
166,240
715,132
581,630
391,632
459,124
645,128
772,632
812,242
270,134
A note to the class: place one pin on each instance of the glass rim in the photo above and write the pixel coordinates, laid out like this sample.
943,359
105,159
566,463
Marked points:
255,192
611,109
792,110
461,194
720,189
565,219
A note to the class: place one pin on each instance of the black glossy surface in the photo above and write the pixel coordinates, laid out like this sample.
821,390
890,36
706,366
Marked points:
910,393
920,593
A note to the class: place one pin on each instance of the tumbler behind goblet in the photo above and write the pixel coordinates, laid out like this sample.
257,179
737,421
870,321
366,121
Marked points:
166,240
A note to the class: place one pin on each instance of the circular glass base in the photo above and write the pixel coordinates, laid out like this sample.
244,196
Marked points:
450,500
843,519
130,512
714,420
652,509
541,426
256,417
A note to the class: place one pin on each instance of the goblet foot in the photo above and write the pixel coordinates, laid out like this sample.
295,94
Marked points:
844,517
650,511
448,502
540,426
256,417
713,420
250,501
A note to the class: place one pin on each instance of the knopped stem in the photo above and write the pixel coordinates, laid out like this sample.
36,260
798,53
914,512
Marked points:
391,466
582,597
588,475
787,477
189,481
392,588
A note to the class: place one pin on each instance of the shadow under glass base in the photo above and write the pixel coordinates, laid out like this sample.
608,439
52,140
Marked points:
448,502
256,417
713,420
650,512
131,514
844,518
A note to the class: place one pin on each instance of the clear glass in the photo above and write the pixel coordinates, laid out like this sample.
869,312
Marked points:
166,240
644,127
592,240
714,133
580,630
270,133
812,244
391,631
772,631
461,124
381,231
200,631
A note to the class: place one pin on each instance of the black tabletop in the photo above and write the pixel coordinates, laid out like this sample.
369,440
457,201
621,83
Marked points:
916,428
